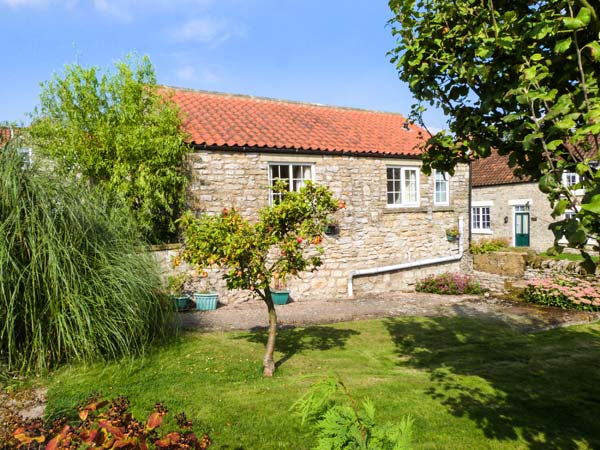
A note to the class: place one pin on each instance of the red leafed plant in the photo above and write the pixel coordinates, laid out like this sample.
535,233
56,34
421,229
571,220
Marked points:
113,428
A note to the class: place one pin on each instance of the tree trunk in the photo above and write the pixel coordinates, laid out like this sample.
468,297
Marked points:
268,361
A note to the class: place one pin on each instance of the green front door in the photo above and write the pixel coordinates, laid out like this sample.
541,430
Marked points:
521,229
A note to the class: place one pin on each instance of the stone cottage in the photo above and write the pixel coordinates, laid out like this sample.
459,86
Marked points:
393,229
505,206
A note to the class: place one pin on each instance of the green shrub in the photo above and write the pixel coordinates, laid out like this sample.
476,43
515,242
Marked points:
343,424
76,282
448,283
578,294
489,245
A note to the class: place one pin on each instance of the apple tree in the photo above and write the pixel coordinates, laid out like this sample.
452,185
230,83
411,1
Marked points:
283,242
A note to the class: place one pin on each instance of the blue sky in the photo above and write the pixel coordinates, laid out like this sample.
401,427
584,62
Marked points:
328,51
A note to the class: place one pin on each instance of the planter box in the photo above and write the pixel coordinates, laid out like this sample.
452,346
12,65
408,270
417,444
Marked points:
206,302
280,297
181,301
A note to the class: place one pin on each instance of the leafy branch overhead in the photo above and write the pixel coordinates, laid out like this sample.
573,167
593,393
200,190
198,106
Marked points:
520,77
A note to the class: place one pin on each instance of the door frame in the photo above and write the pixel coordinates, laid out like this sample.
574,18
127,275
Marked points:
516,204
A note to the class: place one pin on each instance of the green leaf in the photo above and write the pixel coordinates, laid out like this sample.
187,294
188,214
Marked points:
579,237
563,45
560,207
573,23
593,205
584,16
594,47
547,183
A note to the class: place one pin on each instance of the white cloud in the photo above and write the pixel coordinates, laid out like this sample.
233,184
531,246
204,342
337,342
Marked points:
118,9
204,30
128,9
189,74
186,74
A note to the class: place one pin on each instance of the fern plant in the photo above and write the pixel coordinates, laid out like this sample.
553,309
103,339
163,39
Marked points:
343,424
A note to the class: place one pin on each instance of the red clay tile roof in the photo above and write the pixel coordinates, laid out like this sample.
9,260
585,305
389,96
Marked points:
492,171
225,120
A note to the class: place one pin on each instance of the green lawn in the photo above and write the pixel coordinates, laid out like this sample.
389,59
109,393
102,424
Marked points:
568,256
468,384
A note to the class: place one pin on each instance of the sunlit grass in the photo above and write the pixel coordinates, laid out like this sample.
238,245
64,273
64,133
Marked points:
468,384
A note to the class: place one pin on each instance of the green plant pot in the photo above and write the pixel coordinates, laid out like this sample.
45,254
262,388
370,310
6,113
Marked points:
206,302
451,238
280,297
181,301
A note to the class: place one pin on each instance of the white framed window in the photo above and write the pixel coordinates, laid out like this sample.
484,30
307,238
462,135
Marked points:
481,219
441,190
295,175
403,186
570,179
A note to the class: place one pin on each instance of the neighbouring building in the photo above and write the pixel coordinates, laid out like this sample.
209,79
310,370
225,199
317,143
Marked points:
505,206
393,229
6,134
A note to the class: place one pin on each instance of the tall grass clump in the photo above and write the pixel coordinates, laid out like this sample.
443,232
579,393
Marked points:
76,282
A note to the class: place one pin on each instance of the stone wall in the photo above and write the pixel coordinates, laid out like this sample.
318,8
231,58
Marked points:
501,263
502,199
371,233
500,271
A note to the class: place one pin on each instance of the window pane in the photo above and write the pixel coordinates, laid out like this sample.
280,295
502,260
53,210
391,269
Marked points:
394,194
481,218
294,174
441,187
410,185
485,218
297,170
475,218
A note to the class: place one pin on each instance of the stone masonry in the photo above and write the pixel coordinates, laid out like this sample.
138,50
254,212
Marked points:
371,233
502,200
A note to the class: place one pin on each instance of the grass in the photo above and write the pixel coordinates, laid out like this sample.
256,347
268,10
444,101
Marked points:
568,256
469,384
76,283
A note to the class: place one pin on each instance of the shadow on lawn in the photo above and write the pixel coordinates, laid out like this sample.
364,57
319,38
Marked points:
291,341
511,384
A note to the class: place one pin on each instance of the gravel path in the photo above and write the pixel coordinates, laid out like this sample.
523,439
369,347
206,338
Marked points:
252,314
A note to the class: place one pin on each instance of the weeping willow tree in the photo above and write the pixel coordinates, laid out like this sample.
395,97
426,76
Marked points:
75,281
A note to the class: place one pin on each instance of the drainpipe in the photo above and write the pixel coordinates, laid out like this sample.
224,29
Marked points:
409,265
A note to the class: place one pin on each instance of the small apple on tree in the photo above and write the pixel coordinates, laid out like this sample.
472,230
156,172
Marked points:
284,242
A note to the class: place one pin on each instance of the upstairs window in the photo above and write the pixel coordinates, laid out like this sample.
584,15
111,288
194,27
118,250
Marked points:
441,192
294,175
569,180
403,186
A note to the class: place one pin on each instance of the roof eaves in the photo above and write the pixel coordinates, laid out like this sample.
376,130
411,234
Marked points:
307,151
